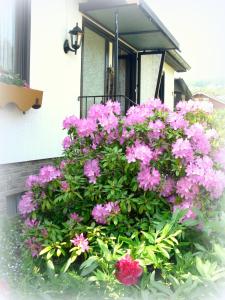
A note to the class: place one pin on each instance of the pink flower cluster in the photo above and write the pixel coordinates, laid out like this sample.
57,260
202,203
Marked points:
31,223
198,138
168,187
182,149
67,142
47,173
74,216
34,246
92,170
193,106
27,204
177,121
148,178
81,242
139,151
156,129
102,211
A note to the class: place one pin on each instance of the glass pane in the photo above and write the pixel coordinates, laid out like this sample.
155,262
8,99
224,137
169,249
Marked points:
7,35
149,75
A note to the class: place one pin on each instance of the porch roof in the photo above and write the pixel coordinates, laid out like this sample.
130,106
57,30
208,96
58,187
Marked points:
138,24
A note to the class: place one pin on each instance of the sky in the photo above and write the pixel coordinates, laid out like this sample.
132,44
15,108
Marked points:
199,27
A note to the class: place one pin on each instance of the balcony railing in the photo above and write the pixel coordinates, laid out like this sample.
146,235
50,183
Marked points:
87,101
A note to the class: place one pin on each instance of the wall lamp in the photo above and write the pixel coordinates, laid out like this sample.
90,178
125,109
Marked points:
75,40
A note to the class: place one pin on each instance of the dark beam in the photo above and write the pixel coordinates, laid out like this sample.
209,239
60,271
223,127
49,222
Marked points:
160,75
139,32
116,52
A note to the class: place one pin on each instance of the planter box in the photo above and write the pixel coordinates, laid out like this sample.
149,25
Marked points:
24,98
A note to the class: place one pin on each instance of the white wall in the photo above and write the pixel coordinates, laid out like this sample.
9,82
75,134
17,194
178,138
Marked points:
38,134
149,75
169,85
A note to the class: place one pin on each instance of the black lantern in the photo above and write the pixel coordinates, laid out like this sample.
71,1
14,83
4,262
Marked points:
76,38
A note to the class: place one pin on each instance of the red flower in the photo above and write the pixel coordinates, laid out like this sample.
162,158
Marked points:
128,270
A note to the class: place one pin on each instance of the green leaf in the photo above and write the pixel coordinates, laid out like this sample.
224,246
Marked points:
50,264
89,269
163,251
45,250
103,247
50,254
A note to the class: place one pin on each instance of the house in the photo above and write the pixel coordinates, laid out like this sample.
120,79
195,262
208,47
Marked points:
181,91
127,53
217,103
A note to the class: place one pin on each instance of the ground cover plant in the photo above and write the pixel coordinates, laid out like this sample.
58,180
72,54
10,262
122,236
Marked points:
134,206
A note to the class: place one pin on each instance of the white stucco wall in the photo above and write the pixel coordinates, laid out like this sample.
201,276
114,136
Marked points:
149,75
38,134
169,85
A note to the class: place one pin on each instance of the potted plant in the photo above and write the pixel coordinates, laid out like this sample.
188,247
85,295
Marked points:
15,90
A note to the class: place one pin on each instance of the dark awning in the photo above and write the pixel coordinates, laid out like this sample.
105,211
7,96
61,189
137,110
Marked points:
181,87
138,24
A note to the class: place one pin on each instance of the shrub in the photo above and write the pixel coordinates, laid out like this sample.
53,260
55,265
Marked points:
131,193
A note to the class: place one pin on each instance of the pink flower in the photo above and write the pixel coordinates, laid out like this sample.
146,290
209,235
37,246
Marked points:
187,189
26,204
71,121
193,106
63,164
198,138
113,107
101,212
139,151
186,205
48,173
31,223
128,271
67,142
112,207
64,186
177,121
97,111
156,128
109,122
137,114
44,232
81,242
182,149
76,217
168,187
86,127
31,181
219,157
148,179
34,245
92,170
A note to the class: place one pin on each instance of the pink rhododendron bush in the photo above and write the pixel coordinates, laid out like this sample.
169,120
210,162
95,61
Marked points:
131,199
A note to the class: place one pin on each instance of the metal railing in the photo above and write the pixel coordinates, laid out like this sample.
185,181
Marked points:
87,101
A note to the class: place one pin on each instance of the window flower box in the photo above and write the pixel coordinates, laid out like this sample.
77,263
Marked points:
23,97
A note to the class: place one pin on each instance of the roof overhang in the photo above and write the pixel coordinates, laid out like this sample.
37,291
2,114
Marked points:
181,86
138,24
176,61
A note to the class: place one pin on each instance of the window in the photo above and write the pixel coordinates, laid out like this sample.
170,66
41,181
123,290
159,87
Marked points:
12,202
15,37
